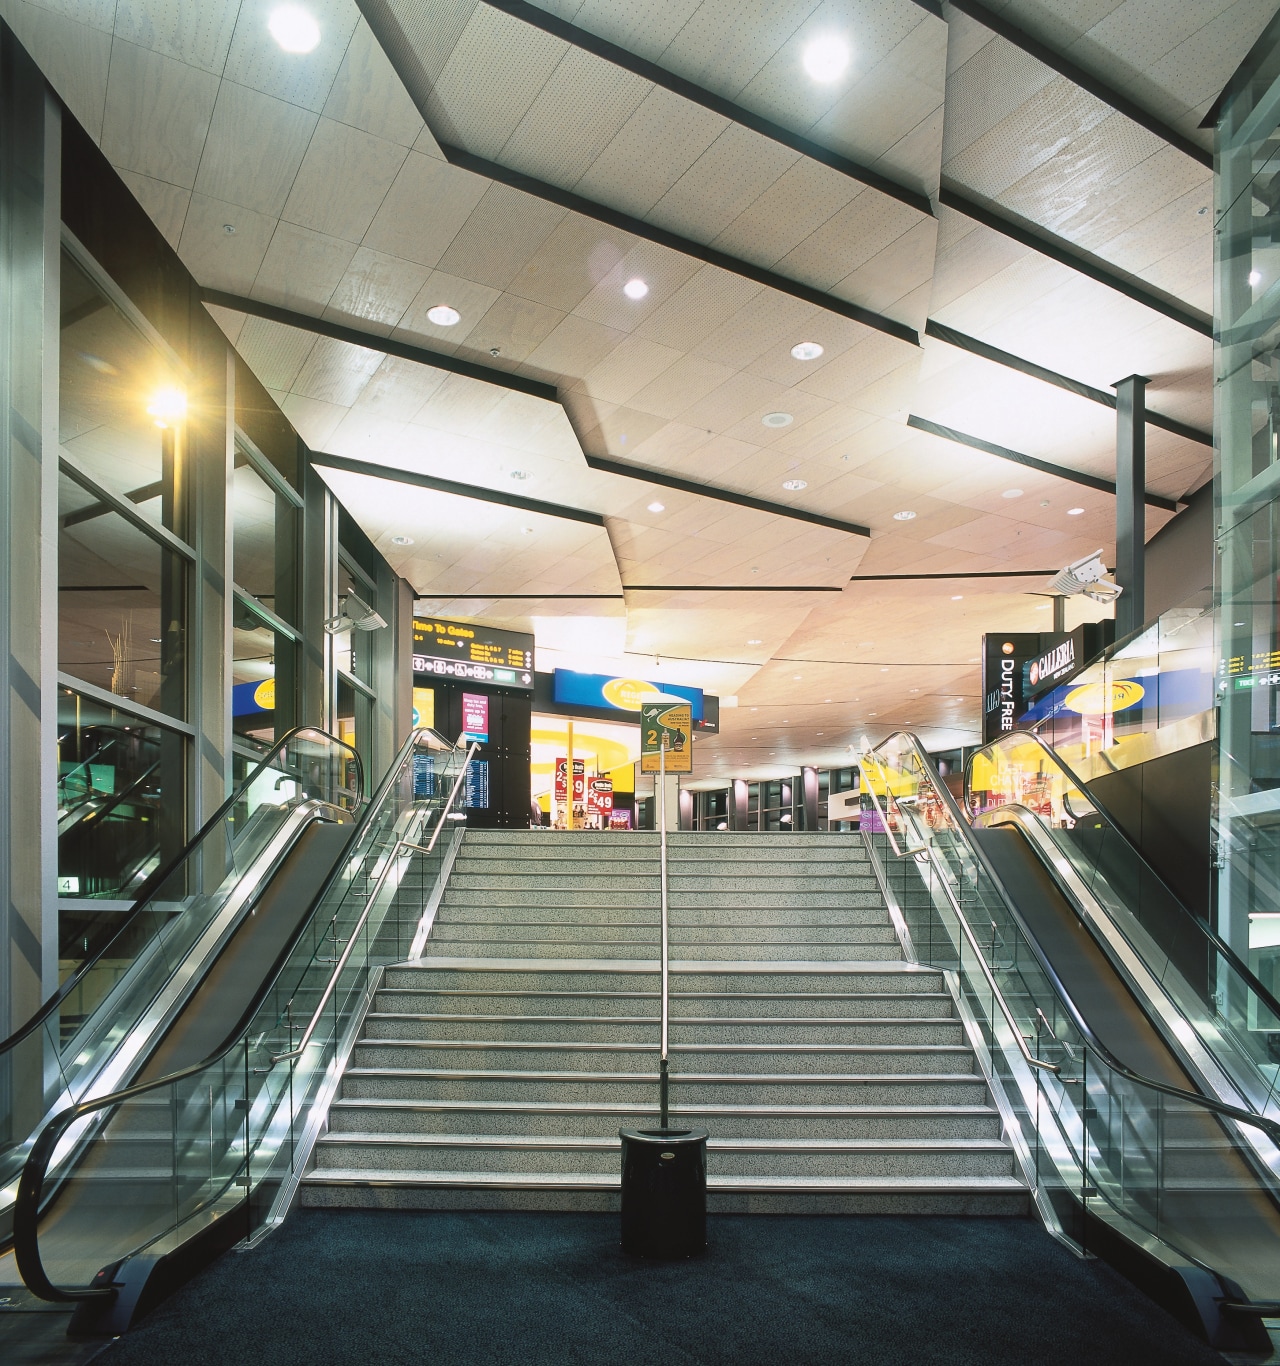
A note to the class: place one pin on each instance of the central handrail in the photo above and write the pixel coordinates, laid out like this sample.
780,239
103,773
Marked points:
663,1078
1270,1127
370,901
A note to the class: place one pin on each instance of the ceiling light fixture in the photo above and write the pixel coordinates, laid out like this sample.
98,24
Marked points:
1255,277
957,597
1074,512
1011,493
806,351
755,642
167,406
795,485
526,531
293,28
657,507
402,540
776,420
904,516
826,59
443,315
635,289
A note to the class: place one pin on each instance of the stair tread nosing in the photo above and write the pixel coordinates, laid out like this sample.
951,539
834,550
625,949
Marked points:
612,1181
542,1142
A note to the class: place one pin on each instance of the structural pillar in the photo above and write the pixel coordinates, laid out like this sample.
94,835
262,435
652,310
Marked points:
809,787
1131,507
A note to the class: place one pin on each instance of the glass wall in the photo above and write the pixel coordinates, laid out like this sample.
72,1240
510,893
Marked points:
1247,368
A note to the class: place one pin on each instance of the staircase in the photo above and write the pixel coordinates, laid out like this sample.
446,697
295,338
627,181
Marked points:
832,1075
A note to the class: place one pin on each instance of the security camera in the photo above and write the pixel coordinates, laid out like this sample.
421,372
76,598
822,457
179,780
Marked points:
355,615
1087,576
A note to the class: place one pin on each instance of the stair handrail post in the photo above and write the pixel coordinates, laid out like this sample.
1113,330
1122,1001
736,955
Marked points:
662,882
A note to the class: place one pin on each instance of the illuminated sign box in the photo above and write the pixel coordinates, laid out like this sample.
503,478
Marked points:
605,692
471,653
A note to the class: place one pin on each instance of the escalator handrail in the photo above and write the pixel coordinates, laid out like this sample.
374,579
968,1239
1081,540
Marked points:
158,878
26,1208
1269,1126
1225,949
113,799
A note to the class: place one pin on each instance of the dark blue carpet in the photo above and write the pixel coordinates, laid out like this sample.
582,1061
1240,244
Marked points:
384,1288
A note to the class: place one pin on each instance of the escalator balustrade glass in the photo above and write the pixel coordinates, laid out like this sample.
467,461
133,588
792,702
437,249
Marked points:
87,1037
152,1165
1107,1151
1204,985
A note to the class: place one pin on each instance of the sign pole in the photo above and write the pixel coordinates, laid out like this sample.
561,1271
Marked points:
568,782
662,856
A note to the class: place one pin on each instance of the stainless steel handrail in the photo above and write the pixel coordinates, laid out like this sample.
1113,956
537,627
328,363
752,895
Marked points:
967,930
663,1080
314,1022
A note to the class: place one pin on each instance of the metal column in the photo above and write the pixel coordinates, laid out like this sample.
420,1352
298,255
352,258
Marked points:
1131,488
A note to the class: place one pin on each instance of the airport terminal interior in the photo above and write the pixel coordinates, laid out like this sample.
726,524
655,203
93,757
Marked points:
640,682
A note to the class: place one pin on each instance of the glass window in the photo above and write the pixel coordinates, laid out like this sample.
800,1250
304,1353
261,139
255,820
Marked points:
264,542
264,674
121,599
120,400
121,812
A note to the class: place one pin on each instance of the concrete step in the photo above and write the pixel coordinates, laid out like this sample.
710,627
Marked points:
719,917
768,1158
545,948
727,1058
789,949
742,936
604,1119
695,1089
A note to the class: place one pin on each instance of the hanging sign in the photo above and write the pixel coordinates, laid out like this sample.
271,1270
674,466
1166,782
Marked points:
666,725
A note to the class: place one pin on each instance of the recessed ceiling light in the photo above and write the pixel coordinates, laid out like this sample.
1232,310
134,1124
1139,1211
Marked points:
806,351
904,516
777,420
1011,493
1255,277
526,531
795,485
657,507
1042,607
293,28
797,677
957,597
520,474
826,699
635,289
755,642
1074,512
826,58
443,315
402,540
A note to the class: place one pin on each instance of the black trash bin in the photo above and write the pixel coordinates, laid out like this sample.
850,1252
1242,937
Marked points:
664,1192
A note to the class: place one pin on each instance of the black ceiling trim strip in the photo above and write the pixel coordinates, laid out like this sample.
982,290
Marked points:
428,481
372,342
1097,87
717,104
977,574
602,213
732,588
522,597
933,6
922,424
1066,254
671,481
964,342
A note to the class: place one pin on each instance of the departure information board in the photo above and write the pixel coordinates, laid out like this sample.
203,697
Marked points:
457,649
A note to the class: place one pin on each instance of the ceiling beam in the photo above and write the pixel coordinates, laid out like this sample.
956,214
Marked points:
1068,254
645,475
1086,80
686,246
941,332
590,42
428,481
370,341
923,424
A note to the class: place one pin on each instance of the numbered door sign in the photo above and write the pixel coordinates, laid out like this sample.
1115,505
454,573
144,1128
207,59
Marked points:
669,726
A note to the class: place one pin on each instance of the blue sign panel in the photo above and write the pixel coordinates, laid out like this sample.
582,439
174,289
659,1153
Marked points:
619,694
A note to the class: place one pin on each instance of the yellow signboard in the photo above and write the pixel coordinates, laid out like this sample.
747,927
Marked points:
424,708
666,726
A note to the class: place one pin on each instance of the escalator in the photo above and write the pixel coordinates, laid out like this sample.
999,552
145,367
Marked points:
1125,1042
200,1138
206,927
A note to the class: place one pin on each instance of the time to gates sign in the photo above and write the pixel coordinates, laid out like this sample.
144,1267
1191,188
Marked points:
666,725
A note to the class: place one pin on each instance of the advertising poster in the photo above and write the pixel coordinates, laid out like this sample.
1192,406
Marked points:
475,717
424,708
666,726
600,797
562,779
